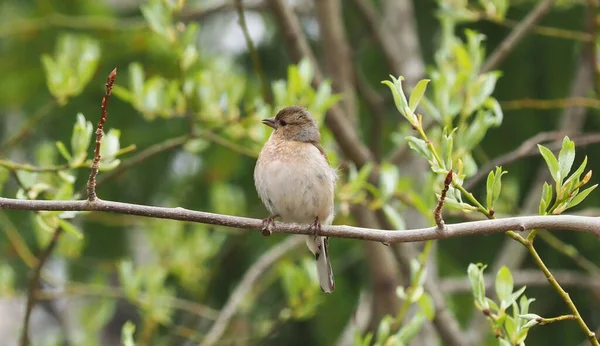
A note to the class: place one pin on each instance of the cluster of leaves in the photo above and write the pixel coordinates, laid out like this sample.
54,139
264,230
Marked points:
510,330
567,192
393,330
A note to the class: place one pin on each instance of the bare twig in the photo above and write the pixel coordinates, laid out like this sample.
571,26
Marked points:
593,30
24,131
544,30
529,148
437,212
245,286
336,54
91,186
526,277
582,224
252,51
551,104
516,35
34,285
298,48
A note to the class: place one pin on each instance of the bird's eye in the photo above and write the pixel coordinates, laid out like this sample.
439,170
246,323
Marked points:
282,123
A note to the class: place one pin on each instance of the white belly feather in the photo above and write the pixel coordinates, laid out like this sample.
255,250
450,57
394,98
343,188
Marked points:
299,189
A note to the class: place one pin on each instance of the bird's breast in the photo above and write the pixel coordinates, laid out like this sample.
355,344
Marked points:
296,182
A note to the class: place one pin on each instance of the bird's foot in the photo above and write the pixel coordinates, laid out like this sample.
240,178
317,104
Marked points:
268,225
315,227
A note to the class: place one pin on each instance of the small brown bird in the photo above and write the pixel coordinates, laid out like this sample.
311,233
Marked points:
296,183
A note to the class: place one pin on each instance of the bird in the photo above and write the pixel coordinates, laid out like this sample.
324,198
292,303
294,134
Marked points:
296,183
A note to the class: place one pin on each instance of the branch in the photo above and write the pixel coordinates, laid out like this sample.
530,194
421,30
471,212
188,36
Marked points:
91,186
241,291
336,53
515,36
527,277
34,285
583,224
252,51
298,49
529,148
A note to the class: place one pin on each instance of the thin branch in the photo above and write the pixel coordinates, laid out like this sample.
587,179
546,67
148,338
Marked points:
529,148
516,35
252,51
34,285
91,186
526,277
550,104
437,213
593,30
24,131
143,155
582,224
298,48
246,284
542,30
337,54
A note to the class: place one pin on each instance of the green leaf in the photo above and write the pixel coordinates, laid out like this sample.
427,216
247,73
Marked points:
551,162
127,334
447,144
489,187
504,284
417,94
494,186
581,196
160,19
62,149
475,274
566,156
420,147
80,139
388,179
427,307
394,217
546,198
411,329
383,331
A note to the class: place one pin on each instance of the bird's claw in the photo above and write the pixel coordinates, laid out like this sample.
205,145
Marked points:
315,228
268,225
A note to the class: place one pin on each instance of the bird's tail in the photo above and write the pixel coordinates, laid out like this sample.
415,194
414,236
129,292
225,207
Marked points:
319,247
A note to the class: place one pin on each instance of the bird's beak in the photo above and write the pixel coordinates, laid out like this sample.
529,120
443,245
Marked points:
269,122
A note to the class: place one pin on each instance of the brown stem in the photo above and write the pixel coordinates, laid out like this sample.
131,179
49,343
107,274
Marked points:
91,186
34,285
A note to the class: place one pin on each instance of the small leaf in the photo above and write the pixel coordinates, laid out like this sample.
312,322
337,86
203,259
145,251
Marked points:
427,307
581,196
383,332
420,146
504,284
546,198
489,187
566,156
389,179
417,94
62,149
411,329
127,334
551,162
394,217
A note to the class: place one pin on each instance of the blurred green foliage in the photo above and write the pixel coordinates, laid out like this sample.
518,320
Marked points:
172,87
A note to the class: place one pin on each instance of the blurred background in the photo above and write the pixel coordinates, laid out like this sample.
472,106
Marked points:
184,130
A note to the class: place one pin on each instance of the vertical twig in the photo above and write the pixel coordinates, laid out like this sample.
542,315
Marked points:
91,186
437,213
253,53
34,285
